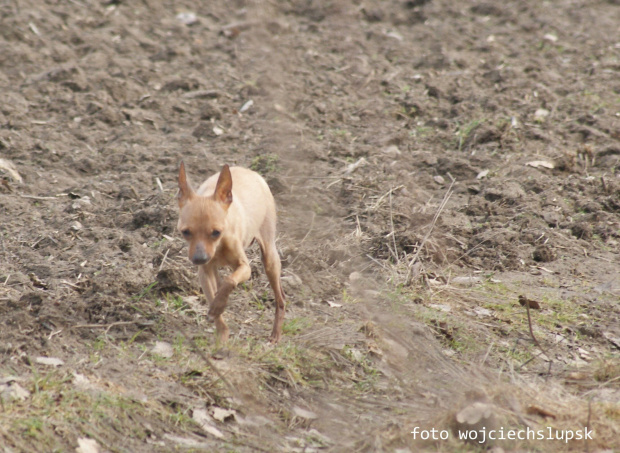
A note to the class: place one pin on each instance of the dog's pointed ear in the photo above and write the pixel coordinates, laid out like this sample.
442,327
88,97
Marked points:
223,189
185,190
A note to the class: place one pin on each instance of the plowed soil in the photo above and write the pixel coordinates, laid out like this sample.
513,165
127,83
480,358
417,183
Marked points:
431,161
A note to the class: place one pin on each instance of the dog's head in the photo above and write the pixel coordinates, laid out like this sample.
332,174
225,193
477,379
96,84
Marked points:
202,220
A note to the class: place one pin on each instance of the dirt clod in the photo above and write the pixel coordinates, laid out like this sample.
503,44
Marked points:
543,254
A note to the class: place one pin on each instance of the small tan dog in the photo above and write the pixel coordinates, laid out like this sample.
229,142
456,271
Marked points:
220,221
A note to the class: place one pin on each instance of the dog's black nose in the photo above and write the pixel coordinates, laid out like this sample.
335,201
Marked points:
200,256
200,259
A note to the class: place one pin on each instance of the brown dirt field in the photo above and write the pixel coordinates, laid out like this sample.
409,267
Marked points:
432,162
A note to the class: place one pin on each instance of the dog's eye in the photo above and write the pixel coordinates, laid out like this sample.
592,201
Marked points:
186,233
216,234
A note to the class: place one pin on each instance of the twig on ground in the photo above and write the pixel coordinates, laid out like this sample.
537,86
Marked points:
529,323
542,350
393,233
164,259
34,197
333,182
378,262
488,352
377,203
51,335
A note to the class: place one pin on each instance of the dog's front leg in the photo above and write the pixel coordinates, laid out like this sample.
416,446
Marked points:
209,280
241,273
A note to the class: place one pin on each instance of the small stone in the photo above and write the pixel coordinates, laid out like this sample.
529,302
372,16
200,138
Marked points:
187,18
162,349
553,218
550,37
541,115
478,419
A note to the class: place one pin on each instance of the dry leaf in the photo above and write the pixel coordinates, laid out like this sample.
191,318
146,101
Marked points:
87,445
245,107
466,280
51,361
9,167
483,312
537,410
223,415
540,163
303,413
13,391
531,303
203,419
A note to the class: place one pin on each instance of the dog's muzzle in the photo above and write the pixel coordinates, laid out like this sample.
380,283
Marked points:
200,256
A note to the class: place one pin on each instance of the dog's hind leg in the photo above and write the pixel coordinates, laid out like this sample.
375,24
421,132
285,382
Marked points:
273,267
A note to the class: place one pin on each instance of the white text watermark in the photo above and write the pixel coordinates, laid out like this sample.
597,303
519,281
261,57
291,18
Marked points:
483,434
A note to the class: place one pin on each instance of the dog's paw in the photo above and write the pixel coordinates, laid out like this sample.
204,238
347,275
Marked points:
216,308
275,338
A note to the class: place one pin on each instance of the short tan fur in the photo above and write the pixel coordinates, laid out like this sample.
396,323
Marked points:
219,221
